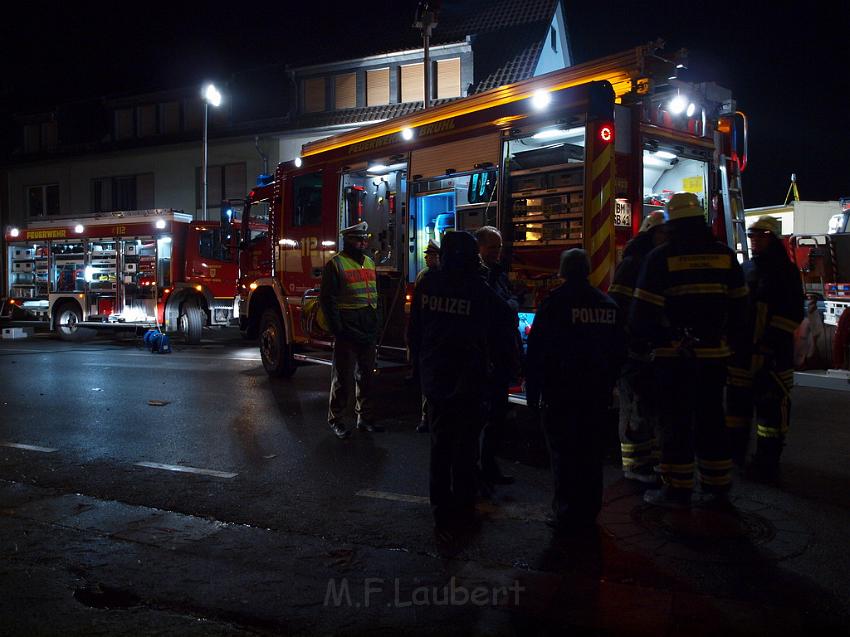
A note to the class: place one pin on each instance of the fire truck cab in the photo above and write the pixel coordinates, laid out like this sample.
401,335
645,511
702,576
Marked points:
129,270
573,158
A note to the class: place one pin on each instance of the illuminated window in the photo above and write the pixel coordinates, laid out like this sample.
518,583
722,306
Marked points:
412,82
377,87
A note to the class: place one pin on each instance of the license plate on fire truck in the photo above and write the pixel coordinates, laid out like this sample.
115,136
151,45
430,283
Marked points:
622,213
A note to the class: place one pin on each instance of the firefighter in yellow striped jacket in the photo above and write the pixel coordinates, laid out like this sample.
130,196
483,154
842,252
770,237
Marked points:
637,392
688,310
761,376
349,298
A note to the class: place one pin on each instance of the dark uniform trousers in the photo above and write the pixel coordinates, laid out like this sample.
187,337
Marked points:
455,424
494,425
691,423
574,434
353,365
763,389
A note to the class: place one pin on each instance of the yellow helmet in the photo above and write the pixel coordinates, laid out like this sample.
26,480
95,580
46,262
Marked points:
683,205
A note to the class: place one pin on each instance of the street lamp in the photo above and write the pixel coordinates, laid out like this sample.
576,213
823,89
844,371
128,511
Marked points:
211,96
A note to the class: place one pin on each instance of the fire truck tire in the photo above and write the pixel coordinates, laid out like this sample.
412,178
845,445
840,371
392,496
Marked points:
191,322
274,350
65,322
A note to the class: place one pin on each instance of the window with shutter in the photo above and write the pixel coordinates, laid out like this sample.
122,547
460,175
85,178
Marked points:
345,91
448,78
235,181
412,82
377,87
144,192
124,125
32,138
314,95
169,118
193,114
147,120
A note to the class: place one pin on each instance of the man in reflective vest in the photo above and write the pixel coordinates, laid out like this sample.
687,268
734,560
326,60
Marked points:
349,298
688,310
762,374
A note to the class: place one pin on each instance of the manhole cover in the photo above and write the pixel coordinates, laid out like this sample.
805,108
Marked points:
751,531
705,525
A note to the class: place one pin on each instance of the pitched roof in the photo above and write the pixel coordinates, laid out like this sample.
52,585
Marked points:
457,20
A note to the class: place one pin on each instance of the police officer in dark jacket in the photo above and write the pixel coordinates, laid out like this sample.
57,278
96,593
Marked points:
688,312
575,350
762,375
490,250
458,331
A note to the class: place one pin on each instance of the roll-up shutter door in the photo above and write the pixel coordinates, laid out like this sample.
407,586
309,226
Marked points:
448,78
412,82
459,156
345,91
314,95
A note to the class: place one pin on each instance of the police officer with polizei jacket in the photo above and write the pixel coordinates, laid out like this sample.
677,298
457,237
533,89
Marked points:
575,350
459,333
349,299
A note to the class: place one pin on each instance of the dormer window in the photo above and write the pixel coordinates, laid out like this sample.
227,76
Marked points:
314,95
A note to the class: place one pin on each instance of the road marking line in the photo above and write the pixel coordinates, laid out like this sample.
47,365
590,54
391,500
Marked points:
398,497
182,469
514,511
17,445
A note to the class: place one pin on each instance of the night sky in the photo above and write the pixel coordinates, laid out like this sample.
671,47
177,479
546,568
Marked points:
785,62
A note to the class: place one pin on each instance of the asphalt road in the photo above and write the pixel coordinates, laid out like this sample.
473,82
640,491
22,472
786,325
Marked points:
237,459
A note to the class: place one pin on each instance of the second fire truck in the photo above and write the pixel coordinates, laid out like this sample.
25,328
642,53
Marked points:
127,270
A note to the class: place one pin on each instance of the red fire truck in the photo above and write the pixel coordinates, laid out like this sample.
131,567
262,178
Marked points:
129,270
576,157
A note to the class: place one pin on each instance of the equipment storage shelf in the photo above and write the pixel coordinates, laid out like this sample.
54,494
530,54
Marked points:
28,271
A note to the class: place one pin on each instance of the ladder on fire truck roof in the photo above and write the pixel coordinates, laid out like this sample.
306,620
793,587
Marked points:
731,168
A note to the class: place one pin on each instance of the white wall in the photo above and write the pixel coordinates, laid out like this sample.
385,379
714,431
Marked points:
173,168
551,60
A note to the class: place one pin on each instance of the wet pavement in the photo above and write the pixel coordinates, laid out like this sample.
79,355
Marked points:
272,526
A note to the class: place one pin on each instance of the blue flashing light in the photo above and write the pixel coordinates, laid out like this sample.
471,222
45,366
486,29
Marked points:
264,180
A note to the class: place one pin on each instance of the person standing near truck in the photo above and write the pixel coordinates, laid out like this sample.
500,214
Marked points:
459,332
349,298
761,376
638,400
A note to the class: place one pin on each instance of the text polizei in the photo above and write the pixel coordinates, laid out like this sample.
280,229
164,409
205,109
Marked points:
603,315
446,305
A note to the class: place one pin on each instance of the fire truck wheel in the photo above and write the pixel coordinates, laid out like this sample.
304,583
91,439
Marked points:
191,323
275,352
65,323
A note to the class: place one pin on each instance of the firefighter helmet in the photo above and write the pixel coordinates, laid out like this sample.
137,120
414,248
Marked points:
766,223
683,205
653,219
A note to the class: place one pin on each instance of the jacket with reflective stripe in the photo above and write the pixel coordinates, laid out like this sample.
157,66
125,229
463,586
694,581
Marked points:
690,297
358,283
